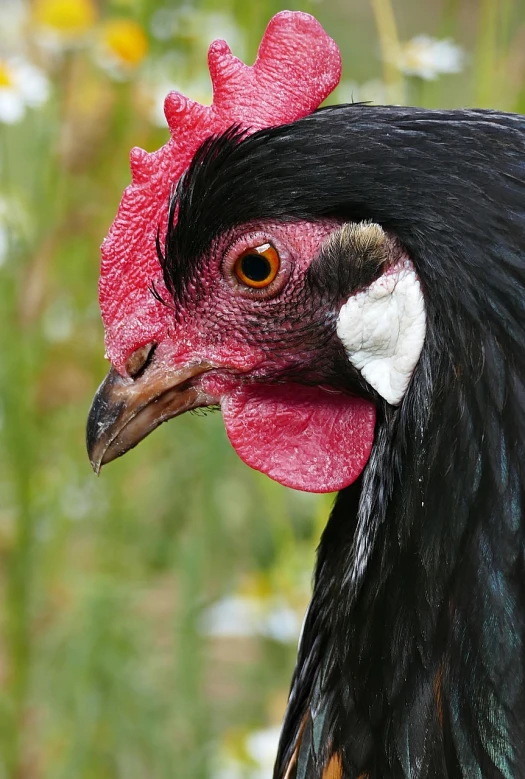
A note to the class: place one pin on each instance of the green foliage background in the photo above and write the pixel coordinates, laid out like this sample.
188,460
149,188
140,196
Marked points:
105,671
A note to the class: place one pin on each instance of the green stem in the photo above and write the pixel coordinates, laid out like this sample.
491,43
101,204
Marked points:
19,439
389,41
486,53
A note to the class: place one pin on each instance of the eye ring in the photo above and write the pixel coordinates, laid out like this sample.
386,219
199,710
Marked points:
257,266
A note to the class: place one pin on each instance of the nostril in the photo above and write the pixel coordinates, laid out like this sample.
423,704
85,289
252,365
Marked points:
140,359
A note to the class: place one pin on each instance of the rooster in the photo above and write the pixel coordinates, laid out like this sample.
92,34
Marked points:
349,287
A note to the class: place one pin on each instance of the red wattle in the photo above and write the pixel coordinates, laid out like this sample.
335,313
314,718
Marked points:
303,437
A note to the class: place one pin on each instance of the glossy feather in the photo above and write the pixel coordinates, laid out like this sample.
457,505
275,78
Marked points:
412,658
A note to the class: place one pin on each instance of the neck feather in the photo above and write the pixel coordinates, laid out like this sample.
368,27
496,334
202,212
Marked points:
413,647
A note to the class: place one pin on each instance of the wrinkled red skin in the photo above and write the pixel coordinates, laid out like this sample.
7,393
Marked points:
307,437
327,439
260,333
303,436
297,66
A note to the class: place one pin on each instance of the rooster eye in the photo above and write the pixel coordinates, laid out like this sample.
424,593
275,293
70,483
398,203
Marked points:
258,266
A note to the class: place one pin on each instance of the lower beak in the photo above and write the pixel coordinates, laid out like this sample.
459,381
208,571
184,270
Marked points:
125,410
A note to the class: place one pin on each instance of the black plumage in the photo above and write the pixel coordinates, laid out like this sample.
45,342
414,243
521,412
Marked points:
412,658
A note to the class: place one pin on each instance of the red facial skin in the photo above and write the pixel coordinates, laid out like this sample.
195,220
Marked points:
297,67
268,346
220,319
273,351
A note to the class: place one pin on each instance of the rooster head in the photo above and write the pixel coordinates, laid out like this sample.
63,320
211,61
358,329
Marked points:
215,291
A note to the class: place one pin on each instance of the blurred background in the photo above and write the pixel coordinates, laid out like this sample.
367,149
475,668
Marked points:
149,617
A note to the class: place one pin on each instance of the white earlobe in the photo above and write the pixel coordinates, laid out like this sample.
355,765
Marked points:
383,330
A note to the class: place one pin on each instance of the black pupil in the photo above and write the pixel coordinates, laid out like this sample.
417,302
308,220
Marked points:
256,267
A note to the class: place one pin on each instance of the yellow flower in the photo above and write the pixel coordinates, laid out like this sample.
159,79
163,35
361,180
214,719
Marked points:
6,79
125,43
66,18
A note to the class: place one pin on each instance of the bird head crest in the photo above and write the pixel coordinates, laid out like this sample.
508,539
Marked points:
297,66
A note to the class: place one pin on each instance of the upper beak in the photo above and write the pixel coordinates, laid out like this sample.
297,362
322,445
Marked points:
125,410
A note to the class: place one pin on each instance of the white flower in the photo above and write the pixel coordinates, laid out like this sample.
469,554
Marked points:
238,616
260,748
22,85
428,57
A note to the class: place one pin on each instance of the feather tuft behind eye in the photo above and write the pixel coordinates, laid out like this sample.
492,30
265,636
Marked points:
257,266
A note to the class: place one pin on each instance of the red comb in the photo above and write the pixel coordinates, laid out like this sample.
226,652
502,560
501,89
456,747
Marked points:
297,66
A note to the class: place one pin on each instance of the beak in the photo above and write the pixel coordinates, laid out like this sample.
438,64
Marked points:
125,410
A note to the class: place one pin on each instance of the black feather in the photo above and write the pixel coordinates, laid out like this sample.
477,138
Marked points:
412,661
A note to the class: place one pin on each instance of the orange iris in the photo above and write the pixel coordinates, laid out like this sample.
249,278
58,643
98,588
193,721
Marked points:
257,266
